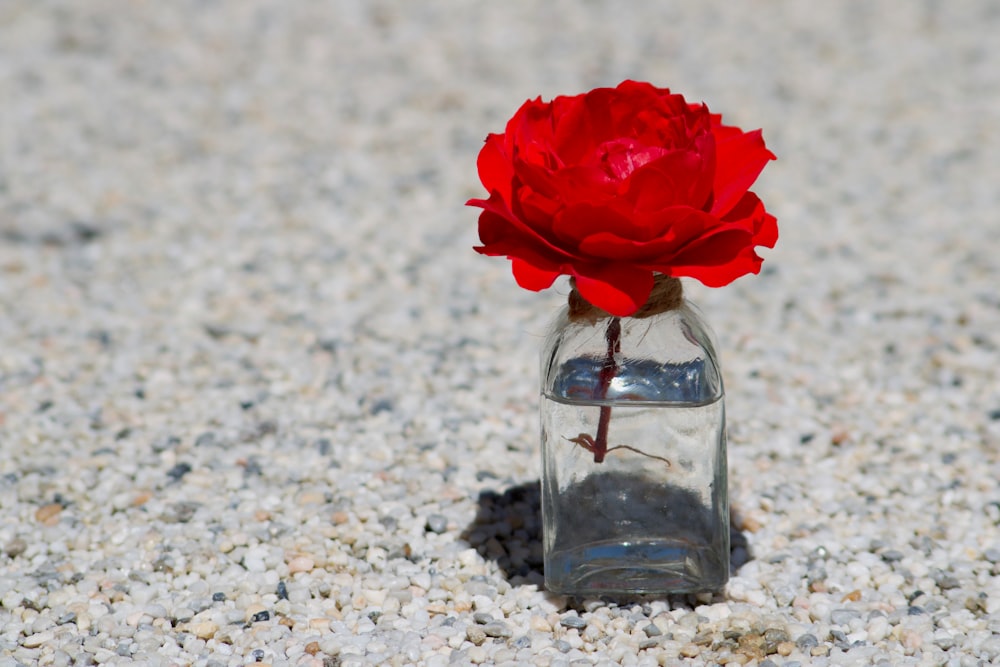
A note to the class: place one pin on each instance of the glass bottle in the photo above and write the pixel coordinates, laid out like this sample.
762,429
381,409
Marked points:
634,482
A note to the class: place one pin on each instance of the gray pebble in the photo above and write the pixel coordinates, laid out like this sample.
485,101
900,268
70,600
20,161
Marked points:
739,557
573,621
652,631
482,618
806,642
437,523
497,629
481,588
843,616
562,646
892,556
992,555
206,439
775,635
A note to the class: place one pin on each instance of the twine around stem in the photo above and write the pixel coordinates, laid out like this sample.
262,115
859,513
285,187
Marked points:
667,294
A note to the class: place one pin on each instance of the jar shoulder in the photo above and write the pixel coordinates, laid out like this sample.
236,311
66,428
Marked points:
667,358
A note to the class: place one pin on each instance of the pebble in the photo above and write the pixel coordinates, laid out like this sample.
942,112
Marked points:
475,634
301,564
15,547
437,523
38,639
690,650
573,621
204,629
49,514
844,616
540,624
497,629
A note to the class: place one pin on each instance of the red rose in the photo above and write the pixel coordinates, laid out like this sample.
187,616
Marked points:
617,184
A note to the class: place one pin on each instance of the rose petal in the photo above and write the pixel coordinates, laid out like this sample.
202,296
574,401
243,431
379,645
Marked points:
576,223
494,165
620,289
620,157
766,232
716,259
668,231
532,277
739,161
680,177
763,224
503,235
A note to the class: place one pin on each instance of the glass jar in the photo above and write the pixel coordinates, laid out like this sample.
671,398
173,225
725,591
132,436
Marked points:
634,481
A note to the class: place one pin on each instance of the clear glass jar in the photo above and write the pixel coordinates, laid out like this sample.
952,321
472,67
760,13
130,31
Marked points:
634,483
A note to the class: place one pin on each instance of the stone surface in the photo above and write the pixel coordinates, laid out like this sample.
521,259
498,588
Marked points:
261,402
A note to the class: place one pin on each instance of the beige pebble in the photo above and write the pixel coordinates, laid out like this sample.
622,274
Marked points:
39,638
475,634
785,648
477,655
312,648
83,621
690,650
311,498
912,640
539,624
204,629
48,515
141,498
375,596
301,564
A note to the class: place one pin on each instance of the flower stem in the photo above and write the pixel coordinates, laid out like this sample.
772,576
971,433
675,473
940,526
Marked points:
608,372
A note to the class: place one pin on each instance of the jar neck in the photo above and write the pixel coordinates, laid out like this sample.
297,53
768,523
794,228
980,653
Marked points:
667,294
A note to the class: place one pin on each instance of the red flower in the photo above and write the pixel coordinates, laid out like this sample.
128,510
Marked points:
617,184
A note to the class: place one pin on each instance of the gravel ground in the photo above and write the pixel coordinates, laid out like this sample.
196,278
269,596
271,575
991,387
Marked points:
260,401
